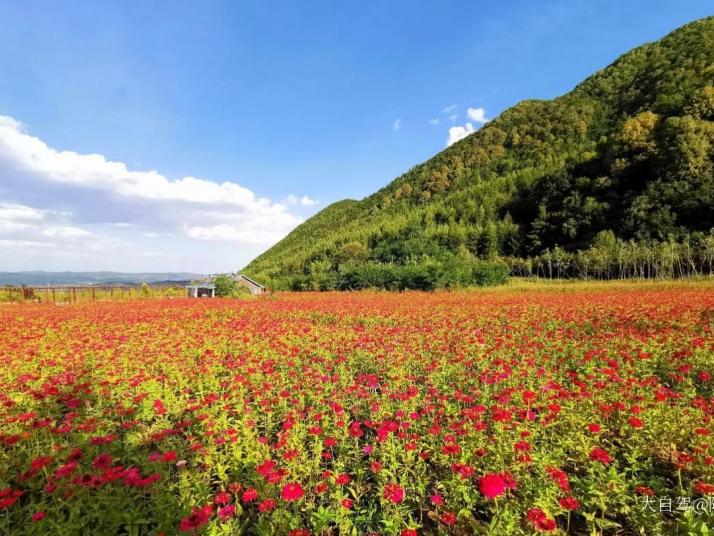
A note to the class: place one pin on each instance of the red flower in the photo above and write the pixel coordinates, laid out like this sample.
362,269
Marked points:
546,524
343,479
451,448
102,461
635,422
600,455
448,518
226,512
492,485
299,532
222,498
409,532
75,455
522,446
356,429
102,440
169,456
39,463
198,518
509,479
437,500
645,490
560,477
265,468
292,492
569,503
9,496
704,488
39,516
276,476
393,492
249,495
540,520
65,470
267,505
159,407
347,503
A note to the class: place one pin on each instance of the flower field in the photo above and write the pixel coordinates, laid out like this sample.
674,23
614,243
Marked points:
496,412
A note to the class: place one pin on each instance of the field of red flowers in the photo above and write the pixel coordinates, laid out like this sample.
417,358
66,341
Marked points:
503,412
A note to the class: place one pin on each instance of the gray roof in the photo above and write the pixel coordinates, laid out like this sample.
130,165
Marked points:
251,280
201,285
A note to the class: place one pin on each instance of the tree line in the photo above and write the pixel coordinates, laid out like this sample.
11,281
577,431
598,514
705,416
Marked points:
613,258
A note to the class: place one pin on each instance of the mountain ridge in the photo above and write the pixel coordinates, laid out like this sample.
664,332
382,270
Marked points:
43,278
619,153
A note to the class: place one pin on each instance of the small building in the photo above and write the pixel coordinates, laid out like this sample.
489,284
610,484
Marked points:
201,290
207,288
252,285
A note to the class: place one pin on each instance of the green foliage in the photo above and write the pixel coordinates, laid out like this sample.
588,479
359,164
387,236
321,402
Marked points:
609,257
225,286
486,274
629,151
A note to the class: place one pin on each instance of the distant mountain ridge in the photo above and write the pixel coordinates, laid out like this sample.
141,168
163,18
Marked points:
41,278
624,160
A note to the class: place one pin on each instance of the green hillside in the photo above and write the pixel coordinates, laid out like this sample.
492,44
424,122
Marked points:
618,172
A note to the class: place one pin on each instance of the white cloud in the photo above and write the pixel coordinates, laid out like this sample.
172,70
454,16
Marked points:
224,232
304,200
449,109
22,226
27,216
10,227
108,194
477,114
65,232
15,212
24,244
93,171
30,154
459,133
397,123
434,121
453,117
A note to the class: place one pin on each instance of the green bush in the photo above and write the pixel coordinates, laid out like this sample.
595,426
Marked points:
426,274
225,286
490,273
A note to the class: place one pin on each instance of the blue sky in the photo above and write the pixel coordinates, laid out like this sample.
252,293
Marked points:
274,109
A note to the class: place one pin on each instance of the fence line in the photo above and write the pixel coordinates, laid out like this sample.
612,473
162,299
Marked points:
86,293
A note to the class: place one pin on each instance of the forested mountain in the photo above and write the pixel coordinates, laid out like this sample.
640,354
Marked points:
613,178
